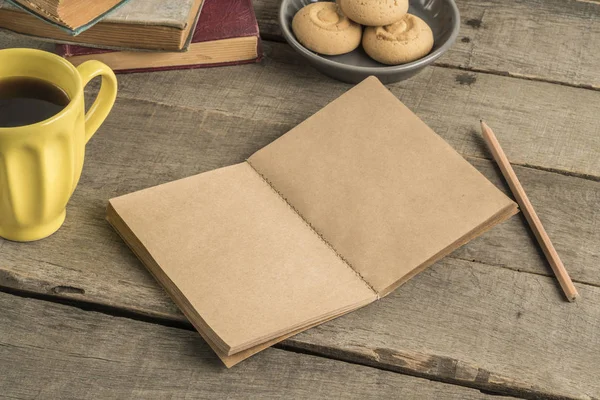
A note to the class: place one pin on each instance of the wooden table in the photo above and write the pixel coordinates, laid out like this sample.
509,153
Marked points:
81,318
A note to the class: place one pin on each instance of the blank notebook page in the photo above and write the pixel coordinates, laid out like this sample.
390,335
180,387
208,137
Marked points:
245,261
379,185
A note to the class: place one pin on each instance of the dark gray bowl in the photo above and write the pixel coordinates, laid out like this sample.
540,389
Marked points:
441,15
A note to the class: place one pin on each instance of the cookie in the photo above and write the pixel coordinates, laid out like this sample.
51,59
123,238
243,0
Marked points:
404,41
322,28
374,12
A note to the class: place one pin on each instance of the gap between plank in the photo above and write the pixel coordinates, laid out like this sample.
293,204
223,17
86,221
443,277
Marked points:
276,39
516,75
185,325
523,390
579,175
549,275
105,309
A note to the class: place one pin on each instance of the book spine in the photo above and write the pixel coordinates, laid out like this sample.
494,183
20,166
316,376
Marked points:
63,50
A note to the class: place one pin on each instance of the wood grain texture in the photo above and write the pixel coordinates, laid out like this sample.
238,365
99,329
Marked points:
540,124
551,40
554,40
463,321
469,323
568,209
144,144
185,142
106,357
9,39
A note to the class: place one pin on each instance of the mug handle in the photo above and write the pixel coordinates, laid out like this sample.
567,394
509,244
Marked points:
106,97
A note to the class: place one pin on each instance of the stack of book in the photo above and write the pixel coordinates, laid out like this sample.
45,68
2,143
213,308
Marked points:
139,35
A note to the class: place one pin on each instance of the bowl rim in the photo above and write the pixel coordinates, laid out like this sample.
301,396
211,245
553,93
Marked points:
421,62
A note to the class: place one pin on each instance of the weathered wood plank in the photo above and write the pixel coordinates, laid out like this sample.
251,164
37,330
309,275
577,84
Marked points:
215,125
184,142
539,124
567,206
87,261
9,39
554,40
472,324
513,350
53,351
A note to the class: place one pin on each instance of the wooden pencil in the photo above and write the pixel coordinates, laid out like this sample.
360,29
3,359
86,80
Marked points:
534,222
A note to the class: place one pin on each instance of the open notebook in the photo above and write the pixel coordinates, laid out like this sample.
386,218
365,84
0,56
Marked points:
333,215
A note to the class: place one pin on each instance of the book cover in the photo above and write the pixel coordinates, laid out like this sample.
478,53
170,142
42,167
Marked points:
142,12
74,30
226,33
332,216
156,25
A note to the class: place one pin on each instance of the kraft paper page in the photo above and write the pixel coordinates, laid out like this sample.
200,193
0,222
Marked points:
248,265
380,186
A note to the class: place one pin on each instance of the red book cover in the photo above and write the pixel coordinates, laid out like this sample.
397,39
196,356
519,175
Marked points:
218,20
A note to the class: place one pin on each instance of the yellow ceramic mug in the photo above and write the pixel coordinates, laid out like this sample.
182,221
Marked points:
40,164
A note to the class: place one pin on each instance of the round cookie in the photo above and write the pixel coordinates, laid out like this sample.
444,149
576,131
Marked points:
404,41
322,28
374,12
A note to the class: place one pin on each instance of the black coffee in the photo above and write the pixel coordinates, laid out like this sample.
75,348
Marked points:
25,101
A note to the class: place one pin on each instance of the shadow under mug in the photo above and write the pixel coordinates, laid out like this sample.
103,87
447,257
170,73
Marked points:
40,164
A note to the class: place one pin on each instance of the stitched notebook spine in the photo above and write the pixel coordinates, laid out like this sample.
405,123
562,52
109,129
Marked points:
312,228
